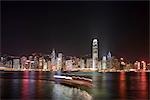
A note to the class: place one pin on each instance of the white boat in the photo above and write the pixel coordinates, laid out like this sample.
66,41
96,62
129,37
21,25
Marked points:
62,77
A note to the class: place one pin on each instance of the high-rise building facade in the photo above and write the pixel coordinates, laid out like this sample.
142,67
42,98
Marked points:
82,63
53,60
89,63
59,61
109,60
68,65
143,65
23,62
36,62
16,63
45,65
94,53
104,62
40,63
109,56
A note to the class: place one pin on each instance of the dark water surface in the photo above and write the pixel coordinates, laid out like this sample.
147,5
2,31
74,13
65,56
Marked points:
107,86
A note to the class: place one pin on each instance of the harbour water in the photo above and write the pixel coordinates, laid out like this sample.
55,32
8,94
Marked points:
28,85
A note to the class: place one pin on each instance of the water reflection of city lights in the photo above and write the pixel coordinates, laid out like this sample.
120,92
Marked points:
26,74
122,76
143,85
14,87
25,89
122,87
61,92
39,86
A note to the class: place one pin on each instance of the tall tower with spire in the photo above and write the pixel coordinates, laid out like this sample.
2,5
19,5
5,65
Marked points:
109,55
94,53
53,58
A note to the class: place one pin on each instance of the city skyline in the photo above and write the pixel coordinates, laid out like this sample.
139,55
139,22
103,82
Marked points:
75,50
69,27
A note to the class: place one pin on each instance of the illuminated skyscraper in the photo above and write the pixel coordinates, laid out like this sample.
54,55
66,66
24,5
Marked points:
36,62
109,60
45,64
81,63
104,62
143,63
30,62
59,61
89,62
16,63
68,65
53,60
137,65
95,53
109,56
23,62
40,63
99,65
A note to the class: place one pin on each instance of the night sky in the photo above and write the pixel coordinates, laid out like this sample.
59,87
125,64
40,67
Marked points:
121,27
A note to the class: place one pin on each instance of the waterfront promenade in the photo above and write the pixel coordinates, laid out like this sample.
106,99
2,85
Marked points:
77,70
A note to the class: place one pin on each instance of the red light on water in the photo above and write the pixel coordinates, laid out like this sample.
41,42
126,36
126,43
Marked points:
122,76
25,89
122,83
143,84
